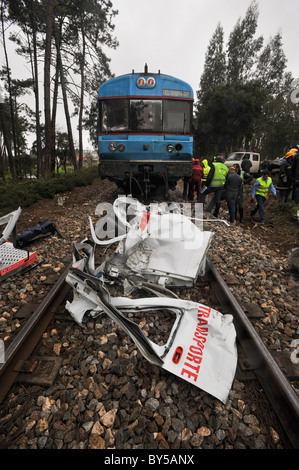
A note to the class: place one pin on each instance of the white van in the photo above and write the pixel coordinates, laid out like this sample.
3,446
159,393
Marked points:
238,157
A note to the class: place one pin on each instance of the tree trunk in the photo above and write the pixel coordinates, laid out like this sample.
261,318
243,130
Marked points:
11,159
7,144
65,102
36,93
80,124
47,88
54,112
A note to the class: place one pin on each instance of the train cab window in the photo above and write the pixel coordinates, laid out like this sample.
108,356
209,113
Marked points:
150,115
177,116
146,115
115,115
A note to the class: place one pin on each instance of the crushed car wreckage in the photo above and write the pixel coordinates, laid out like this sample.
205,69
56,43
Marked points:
164,247
201,346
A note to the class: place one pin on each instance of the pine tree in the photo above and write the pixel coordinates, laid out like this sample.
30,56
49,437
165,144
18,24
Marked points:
67,38
215,63
243,47
271,65
29,15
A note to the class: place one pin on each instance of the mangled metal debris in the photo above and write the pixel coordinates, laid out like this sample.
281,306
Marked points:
163,247
201,346
157,251
10,221
12,259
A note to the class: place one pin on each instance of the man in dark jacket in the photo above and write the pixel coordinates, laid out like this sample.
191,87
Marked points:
232,190
246,164
240,198
284,182
265,164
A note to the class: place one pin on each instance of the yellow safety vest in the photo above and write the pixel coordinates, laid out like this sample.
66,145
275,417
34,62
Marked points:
219,176
264,186
206,169
242,176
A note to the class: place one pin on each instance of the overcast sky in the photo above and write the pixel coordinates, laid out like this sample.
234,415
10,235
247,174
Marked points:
173,35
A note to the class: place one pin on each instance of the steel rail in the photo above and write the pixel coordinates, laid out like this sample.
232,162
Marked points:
28,337
277,387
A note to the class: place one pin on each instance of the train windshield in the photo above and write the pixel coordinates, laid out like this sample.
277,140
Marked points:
146,115
151,115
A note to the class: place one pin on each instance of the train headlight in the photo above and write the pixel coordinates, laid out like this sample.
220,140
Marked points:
141,82
170,148
112,146
178,147
151,82
121,147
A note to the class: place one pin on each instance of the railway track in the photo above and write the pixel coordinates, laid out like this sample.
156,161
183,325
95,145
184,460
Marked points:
277,387
284,400
26,340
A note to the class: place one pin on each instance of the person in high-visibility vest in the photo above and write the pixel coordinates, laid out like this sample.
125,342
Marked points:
260,190
206,168
215,183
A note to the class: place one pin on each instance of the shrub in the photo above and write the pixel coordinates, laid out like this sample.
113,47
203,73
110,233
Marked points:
14,194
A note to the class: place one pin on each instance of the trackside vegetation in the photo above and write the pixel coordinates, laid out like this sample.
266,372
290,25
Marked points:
23,193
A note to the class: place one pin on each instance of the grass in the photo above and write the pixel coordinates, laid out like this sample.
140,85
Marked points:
294,212
14,194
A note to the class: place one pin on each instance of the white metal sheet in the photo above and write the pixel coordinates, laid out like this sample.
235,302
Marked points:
201,347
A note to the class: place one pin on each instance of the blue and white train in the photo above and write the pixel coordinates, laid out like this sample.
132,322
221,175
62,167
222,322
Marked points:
145,132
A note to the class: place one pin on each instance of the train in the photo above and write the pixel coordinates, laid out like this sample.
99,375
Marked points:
145,132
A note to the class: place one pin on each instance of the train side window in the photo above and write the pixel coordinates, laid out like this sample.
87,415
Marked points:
115,115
